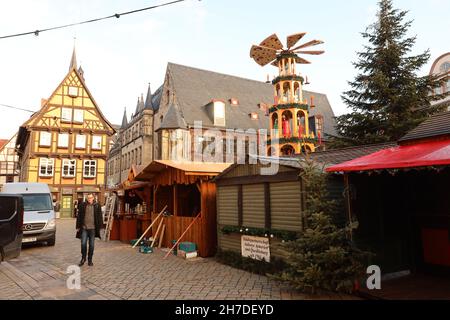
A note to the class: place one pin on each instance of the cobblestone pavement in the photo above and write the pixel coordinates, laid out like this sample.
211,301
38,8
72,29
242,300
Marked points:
120,272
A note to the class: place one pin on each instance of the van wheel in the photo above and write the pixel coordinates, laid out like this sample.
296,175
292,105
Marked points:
51,242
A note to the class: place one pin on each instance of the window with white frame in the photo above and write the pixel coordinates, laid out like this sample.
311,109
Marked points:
78,116
45,139
69,168
90,168
46,167
96,142
73,92
80,142
219,113
63,140
66,114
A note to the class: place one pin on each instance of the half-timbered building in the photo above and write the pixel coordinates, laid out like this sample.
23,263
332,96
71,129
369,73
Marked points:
66,143
8,161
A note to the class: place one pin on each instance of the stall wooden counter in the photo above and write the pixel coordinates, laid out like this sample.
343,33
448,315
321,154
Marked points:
186,190
127,227
115,230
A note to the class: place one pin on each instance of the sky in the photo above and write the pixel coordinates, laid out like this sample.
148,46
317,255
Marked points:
121,56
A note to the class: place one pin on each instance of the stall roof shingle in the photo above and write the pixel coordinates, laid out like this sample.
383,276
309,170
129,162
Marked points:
436,125
332,157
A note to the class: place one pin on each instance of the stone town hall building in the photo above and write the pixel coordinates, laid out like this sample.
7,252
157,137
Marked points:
163,126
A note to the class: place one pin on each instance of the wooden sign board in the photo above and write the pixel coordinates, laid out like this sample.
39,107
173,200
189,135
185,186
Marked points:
257,248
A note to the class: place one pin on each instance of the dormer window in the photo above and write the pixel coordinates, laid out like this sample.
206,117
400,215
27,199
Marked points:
254,116
234,102
219,113
264,107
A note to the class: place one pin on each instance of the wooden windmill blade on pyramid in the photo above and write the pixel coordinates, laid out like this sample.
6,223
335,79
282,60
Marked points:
271,47
290,128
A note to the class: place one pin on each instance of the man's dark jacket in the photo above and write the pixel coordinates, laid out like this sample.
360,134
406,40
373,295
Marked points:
98,220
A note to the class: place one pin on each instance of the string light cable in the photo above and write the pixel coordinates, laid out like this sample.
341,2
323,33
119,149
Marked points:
116,15
16,108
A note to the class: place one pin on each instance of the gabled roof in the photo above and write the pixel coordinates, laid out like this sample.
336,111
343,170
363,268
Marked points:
25,126
173,119
435,126
195,88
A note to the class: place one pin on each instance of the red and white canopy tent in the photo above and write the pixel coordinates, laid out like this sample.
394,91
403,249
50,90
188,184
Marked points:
421,154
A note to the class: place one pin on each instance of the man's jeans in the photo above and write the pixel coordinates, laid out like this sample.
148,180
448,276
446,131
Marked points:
85,235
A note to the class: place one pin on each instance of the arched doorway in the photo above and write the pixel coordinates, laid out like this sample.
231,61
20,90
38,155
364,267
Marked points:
286,91
277,92
301,124
272,152
275,125
297,92
287,150
286,124
306,149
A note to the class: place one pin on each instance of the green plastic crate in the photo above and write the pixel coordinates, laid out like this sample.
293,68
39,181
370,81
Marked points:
187,246
145,249
133,242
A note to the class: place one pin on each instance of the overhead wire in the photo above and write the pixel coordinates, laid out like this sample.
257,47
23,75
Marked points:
116,15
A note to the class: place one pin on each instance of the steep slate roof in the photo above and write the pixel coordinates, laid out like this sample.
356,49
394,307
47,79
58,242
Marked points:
195,88
173,119
436,125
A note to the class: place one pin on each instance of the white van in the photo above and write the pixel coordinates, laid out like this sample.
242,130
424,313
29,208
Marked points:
39,223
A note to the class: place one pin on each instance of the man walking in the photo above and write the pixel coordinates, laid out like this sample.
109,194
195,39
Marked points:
89,222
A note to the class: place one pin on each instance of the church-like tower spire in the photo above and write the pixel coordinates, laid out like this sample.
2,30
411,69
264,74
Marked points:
124,119
148,99
73,61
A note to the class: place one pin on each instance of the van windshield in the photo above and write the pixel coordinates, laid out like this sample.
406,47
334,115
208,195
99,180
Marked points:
37,202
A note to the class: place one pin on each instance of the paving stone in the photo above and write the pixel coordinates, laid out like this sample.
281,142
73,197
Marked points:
120,272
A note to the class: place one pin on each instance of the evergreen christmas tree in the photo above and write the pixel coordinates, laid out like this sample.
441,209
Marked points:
323,257
387,98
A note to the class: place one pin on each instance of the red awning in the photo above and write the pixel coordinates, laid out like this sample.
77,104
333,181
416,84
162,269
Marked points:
432,153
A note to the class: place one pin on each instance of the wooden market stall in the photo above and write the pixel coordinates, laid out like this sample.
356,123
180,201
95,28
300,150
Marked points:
133,208
187,191
400,198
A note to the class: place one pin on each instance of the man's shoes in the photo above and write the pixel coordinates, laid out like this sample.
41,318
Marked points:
90,263
82,262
